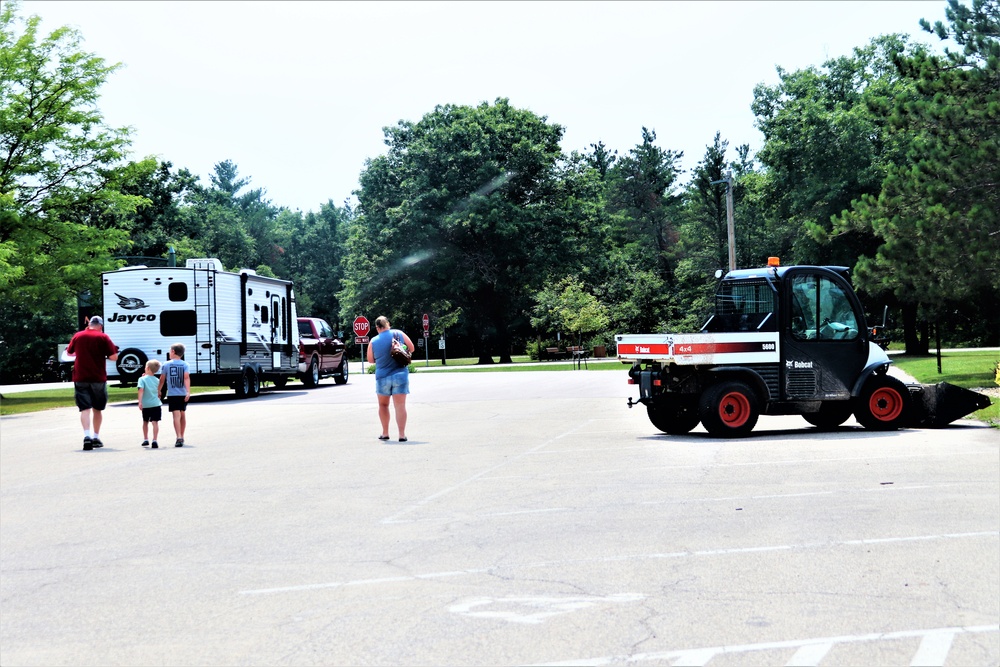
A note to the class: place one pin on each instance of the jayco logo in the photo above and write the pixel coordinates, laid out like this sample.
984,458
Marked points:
130,303
129,319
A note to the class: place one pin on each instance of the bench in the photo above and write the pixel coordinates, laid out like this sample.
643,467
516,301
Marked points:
554,353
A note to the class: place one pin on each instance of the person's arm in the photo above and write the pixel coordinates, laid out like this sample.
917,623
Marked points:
140,395
163,382
371,355
187,386
114,350
409,343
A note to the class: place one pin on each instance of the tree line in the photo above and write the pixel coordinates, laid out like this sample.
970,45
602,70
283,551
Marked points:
885,161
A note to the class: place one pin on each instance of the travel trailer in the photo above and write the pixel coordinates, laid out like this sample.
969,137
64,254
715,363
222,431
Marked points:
238,329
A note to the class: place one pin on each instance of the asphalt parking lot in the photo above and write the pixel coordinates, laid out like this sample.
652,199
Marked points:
531,518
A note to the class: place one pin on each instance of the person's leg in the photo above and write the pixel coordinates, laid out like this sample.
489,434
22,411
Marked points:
156,430
145,430
184,422
178,429
98,418
383,414
85,421
399,404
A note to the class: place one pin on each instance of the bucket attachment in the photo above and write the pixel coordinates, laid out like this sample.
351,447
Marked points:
936,405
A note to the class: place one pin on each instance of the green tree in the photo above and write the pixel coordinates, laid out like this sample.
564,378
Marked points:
823,148
569,306
937,213
61,167
469,206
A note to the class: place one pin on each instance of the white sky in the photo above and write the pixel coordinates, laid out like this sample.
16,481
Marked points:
297,93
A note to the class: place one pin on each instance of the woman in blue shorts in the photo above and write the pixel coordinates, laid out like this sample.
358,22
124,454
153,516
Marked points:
391,379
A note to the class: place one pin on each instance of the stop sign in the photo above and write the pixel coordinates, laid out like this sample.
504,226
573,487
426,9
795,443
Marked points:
427,322
361,326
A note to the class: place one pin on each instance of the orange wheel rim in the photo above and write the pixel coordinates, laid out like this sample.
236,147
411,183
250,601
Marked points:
885,404
734,409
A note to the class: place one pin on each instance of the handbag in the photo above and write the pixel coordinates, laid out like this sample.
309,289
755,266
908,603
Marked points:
398,353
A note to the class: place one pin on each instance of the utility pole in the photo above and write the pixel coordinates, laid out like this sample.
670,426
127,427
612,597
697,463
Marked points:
728,180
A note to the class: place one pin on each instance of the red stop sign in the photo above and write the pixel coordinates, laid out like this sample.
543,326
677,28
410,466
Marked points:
427,322
361,326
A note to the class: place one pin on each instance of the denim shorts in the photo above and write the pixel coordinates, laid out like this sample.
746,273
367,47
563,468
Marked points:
397,383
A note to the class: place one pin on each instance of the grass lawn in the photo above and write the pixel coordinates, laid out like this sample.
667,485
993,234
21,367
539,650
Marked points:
43,399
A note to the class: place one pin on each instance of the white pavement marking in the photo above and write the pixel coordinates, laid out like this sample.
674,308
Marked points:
934,648
539,608
743,464
685,501
443,492
810,655
616,559
702,655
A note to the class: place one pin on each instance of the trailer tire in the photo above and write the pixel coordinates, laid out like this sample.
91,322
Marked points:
830,415
311,378
729,409
674,418
342,372
883,405
131,364
249,384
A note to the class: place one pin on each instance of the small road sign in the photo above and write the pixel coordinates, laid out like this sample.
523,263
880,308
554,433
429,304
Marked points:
361,327
427,322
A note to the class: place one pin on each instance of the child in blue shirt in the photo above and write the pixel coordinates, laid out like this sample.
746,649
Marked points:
149,402
176,377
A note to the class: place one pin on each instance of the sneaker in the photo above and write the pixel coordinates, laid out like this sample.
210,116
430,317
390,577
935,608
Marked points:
97,442
145,443
155,446
88,444
179,443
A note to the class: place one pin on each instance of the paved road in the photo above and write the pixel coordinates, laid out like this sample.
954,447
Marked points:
531,519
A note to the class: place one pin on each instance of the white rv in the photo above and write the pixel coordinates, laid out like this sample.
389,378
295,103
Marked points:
238,329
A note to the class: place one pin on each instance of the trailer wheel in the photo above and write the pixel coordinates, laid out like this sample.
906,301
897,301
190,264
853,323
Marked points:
342,372
883,405
831,414
249,384
311,378
729,409
674,418
131,364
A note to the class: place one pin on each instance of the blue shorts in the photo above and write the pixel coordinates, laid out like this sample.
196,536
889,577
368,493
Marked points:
397,383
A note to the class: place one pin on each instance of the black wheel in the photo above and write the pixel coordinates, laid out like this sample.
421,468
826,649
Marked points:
131,364
249,384
884,404
729,409
831,414
676,417
254,384
311,378
342,372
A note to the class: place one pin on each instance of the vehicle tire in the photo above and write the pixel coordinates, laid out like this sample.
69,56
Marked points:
311,378
884,404
831,414
249,384
729,409
676,417
342,372
131,364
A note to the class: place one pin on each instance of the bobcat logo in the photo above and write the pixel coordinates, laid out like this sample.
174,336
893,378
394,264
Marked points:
129,303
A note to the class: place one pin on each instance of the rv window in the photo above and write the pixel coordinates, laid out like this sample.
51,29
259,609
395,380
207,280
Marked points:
263,314
177,291
175,323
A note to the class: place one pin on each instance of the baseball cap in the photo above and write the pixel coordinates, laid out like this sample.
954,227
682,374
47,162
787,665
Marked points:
96,321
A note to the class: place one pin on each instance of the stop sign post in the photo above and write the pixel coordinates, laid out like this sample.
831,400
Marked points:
361,329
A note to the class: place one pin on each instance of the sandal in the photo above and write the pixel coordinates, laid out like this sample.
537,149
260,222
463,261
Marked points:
383,437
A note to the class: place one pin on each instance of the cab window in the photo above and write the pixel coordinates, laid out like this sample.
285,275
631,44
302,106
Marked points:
821,310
